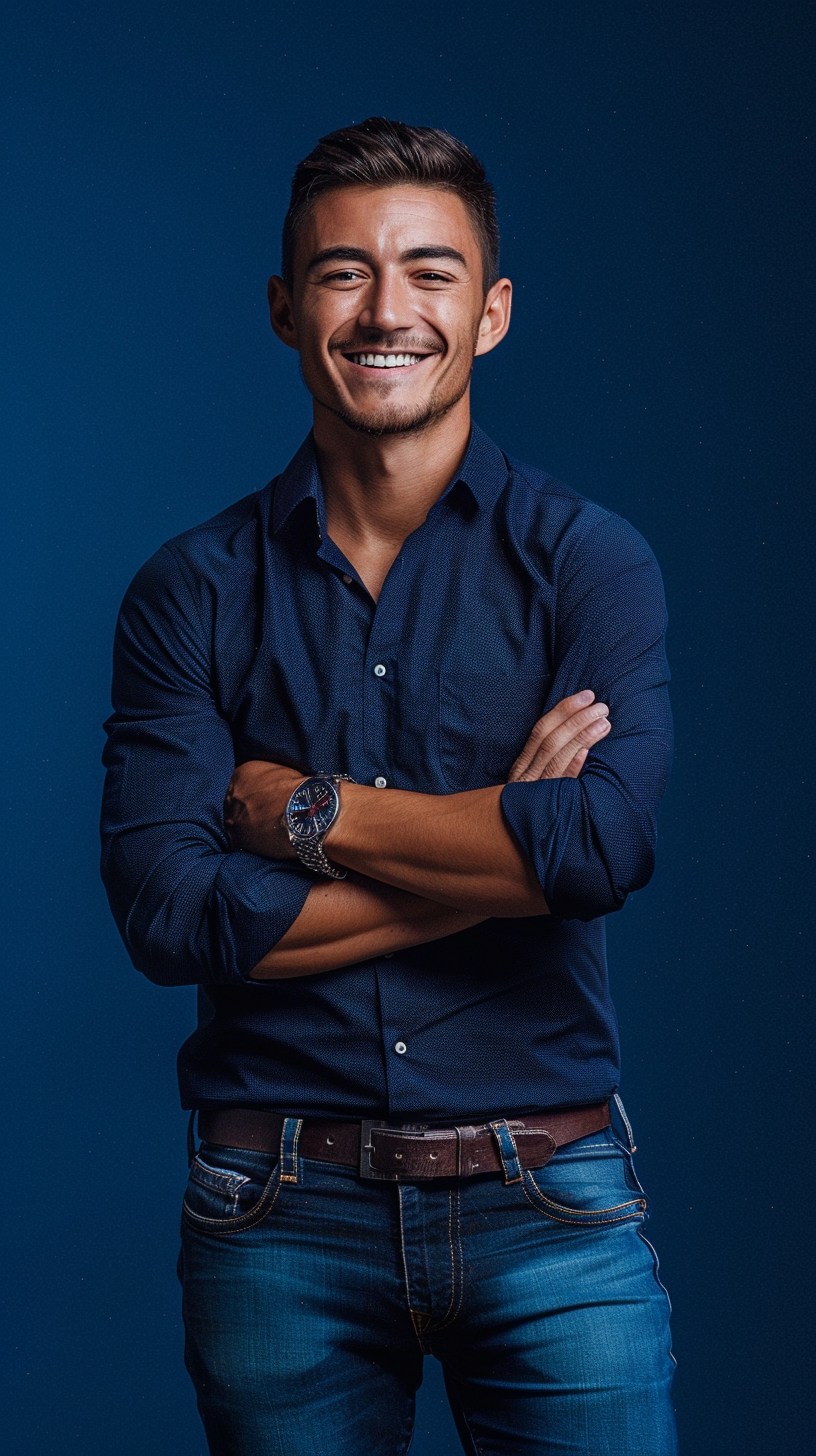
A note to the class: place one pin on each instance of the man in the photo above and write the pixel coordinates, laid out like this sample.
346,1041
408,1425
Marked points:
388,741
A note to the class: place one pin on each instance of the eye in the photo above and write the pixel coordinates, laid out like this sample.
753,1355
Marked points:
429,276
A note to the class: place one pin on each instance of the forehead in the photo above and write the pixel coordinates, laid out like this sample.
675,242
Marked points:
387,221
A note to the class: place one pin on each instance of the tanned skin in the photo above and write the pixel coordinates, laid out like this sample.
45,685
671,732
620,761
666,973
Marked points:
396,271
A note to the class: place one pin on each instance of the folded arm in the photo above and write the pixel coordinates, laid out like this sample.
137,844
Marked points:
190,907
559,841
444,862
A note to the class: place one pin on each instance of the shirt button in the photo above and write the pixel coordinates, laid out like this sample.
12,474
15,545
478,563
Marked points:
379,670
400,1048
347,578
380,782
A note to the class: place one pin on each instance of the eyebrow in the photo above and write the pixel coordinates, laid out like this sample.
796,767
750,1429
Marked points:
412,255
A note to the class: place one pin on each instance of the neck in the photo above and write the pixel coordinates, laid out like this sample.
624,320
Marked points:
378,489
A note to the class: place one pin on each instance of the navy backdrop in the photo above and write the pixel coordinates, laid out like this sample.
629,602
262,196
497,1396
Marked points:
652,168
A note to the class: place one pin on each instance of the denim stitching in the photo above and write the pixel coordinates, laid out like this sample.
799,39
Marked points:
586,1146
293,1154
613,1207
416,1315
585,1217
231,1178
457,1285
244,1220
630,1136
232,1182
497,1129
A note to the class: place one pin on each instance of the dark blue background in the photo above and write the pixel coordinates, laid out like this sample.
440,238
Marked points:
652,165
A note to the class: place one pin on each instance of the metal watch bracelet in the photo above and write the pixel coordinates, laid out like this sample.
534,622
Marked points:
311,852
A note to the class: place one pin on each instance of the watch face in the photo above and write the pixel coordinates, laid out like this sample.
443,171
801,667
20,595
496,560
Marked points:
312,808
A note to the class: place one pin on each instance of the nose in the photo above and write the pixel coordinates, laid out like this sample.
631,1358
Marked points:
385,307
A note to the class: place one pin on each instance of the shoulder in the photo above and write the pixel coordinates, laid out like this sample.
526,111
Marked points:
566,528
204,563
225,544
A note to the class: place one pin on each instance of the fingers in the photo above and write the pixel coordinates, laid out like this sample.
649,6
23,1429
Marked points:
547,724
554,765
574,724
574,768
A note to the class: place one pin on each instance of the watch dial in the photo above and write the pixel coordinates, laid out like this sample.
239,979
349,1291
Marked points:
312,808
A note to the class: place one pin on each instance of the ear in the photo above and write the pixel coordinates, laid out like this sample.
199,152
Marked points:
281,313
495,320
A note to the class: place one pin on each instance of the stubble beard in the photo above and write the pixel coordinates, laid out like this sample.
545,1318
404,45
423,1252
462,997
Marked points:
393,420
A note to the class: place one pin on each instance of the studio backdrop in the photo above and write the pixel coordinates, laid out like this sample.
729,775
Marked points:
651,164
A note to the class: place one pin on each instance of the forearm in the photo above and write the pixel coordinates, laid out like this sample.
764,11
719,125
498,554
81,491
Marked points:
454,849
346,921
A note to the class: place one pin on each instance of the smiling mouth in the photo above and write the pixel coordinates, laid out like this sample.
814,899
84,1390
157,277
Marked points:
385,361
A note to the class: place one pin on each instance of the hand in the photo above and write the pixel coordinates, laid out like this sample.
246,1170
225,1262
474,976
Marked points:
254,808
560,741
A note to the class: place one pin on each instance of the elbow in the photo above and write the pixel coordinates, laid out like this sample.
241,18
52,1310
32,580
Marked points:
172,942
162,965
158,957
162,949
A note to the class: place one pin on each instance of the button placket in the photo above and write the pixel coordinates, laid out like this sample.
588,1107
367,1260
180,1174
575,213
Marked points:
380,683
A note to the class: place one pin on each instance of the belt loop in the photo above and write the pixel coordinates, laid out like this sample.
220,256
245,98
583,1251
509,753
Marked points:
630,1137
290,1137
191,1147
508,1152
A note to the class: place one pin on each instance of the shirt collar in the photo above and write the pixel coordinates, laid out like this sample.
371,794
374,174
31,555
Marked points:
483,471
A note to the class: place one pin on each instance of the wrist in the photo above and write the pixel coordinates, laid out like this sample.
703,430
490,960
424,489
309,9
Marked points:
341,834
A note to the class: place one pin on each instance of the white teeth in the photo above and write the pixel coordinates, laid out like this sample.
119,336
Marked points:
386,361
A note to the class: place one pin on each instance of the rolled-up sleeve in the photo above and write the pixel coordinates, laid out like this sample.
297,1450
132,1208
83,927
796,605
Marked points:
592,839
189,908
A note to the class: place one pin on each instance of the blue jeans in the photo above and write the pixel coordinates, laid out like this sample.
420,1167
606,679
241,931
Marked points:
310,1297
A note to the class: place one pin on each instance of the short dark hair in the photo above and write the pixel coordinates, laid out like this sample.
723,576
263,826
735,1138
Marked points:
381,153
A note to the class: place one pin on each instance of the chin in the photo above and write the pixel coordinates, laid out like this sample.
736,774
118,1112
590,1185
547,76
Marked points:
391,421
397,420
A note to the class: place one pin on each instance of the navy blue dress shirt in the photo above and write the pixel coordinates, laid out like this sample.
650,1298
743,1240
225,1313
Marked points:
252,636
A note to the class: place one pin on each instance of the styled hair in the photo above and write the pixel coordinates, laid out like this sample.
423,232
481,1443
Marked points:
381,153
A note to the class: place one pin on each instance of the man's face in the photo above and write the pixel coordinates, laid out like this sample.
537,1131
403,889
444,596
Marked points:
387,307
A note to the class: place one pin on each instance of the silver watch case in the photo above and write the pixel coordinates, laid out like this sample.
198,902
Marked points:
309,847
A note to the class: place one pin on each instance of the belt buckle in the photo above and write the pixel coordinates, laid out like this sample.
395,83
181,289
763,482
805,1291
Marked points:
366,1149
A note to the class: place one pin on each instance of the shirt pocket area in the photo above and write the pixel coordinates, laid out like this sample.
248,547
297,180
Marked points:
484,722
587,1186
229,1189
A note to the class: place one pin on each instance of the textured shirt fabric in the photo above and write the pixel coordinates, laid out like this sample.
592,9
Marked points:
252,636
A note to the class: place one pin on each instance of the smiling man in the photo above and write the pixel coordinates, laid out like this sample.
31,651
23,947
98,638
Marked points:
388,741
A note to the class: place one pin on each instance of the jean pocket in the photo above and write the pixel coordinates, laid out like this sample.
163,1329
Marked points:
484,722
587,1188
229,1189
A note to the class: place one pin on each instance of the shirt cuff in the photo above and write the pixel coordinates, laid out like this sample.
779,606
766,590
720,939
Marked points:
540,816
259,899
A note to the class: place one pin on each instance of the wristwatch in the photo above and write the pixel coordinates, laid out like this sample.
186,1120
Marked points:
310,813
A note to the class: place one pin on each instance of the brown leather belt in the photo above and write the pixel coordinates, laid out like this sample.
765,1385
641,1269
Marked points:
380,1151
